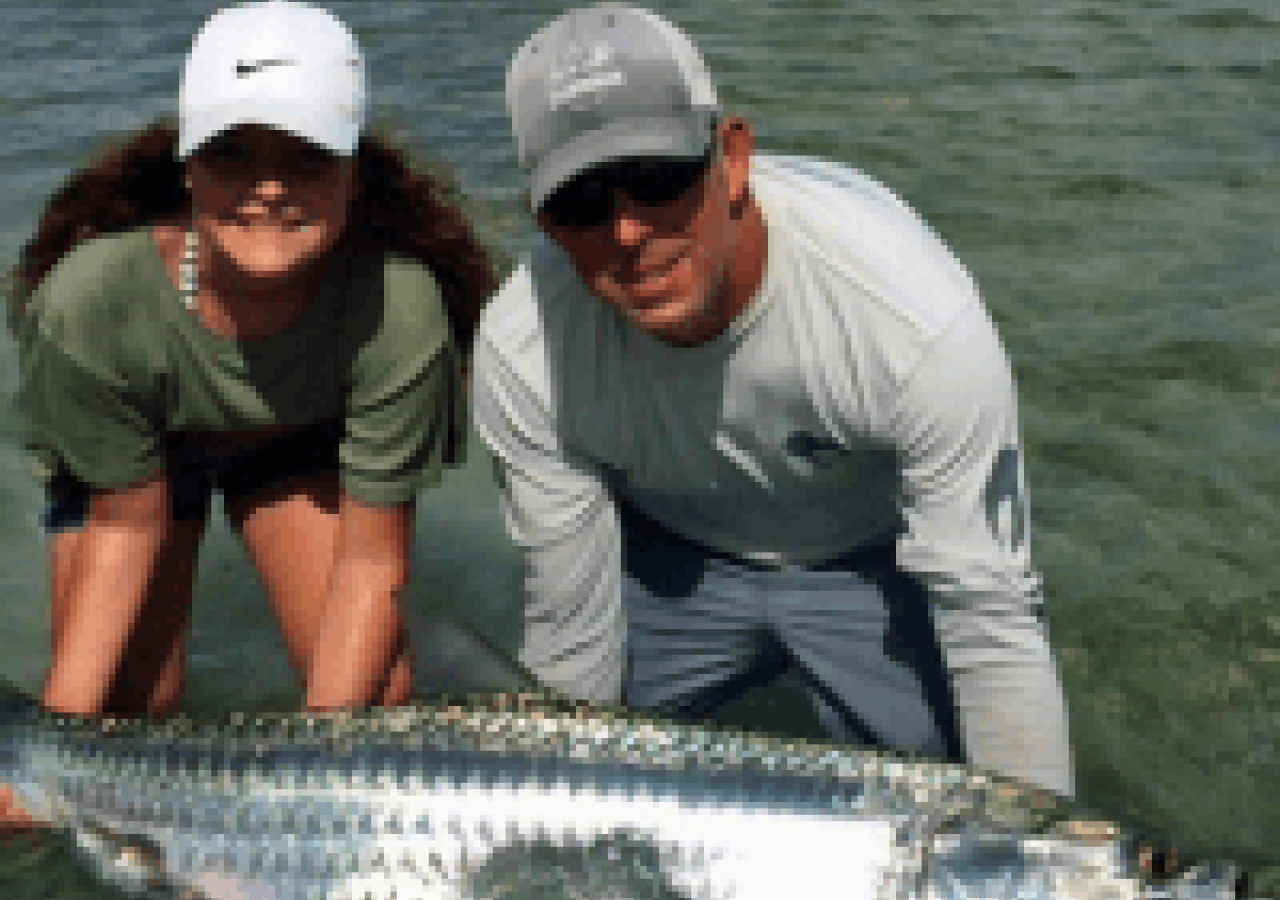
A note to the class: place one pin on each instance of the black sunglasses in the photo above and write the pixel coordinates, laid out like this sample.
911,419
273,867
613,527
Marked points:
588,201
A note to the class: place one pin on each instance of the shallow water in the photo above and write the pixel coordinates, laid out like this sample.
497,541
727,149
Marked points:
1107,172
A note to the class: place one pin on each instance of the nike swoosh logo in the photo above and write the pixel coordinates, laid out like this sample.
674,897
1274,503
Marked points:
244,68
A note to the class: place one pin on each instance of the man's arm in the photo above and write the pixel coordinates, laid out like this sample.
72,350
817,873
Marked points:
560,513
968,538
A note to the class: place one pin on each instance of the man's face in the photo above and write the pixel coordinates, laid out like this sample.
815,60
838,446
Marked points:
665,267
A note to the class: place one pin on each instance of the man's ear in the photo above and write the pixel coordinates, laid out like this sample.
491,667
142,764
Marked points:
737,143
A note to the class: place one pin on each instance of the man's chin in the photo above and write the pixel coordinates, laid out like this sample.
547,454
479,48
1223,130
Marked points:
675,321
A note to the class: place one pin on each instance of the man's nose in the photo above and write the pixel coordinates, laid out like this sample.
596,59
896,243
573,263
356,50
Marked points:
630,228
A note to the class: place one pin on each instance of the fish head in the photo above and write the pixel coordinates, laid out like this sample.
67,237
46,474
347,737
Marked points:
132,862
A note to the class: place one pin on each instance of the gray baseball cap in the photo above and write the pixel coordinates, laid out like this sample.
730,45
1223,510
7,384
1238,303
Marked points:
602,83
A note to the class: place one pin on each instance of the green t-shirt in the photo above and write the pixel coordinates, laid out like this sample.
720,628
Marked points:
115,364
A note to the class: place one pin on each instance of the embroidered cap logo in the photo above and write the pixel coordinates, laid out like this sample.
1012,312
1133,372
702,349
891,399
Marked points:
585,70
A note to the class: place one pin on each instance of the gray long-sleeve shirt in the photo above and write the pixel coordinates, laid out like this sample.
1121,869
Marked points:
863,390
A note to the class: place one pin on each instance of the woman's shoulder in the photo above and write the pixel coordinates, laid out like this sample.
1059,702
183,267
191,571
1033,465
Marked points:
400,296
409,280
96,283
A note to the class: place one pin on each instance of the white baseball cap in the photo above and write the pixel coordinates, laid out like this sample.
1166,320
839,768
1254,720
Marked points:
603,83
279,63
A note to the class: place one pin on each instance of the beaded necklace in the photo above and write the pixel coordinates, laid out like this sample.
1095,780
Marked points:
189,271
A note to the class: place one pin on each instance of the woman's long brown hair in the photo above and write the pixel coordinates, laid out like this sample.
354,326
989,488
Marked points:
401,209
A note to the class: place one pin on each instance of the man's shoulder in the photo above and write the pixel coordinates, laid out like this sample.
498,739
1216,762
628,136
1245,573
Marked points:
823,177
821,188
864,235
542,291
509,316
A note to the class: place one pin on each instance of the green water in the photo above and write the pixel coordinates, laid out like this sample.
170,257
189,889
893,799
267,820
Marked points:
1107,170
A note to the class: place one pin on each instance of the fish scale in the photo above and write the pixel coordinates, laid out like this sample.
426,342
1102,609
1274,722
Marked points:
504,797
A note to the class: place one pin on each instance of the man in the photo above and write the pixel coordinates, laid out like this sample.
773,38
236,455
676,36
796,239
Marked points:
750,414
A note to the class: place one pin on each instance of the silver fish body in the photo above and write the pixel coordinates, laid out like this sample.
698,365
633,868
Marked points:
506,796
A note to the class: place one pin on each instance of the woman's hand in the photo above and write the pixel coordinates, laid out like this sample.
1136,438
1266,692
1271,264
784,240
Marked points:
362,634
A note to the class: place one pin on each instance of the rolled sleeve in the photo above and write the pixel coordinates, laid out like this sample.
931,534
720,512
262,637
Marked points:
405,398
399,428
87,412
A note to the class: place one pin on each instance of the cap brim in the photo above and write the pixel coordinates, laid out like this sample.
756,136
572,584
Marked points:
683,136
335,133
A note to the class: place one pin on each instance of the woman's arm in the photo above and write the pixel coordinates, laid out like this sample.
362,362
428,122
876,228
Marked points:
123,538
357,641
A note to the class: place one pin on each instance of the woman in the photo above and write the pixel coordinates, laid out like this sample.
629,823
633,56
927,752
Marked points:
266,302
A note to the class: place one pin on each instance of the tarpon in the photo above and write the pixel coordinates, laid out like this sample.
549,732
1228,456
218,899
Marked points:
511,796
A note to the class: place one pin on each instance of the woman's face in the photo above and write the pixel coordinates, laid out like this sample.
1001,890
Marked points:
269,200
